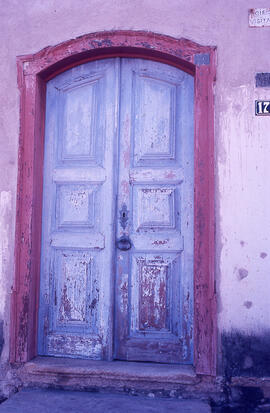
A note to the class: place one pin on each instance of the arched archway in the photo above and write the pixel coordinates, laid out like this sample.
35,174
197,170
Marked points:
33,73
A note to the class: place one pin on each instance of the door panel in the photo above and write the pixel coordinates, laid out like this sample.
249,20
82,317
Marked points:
78,212
154,304
153,106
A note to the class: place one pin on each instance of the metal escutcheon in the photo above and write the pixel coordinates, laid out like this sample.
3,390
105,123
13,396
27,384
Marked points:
123,243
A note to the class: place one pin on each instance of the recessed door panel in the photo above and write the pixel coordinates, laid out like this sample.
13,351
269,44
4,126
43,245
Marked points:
154,129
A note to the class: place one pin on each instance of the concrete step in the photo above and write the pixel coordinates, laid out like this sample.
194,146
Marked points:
59,401
117,376
75,374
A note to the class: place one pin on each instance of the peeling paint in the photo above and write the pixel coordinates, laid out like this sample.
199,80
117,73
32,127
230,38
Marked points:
125,187
70,346
248,304
152,305
242,273
160,242
124,293
263,255
170,175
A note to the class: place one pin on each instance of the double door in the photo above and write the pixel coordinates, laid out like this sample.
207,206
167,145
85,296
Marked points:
117,232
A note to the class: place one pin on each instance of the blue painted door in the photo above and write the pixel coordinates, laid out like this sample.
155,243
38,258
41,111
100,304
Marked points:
78,211
154,286
117,243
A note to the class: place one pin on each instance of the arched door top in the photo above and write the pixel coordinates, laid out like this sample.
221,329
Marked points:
182,53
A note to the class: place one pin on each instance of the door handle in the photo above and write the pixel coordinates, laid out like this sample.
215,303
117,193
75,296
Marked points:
124,243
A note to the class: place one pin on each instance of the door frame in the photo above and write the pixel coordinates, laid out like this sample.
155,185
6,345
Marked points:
33,73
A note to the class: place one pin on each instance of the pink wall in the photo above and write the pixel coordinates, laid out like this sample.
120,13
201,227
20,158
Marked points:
242,140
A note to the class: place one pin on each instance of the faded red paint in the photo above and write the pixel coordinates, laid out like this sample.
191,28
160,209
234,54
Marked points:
205,329
170,175
126,158
160,242
65,307
125,187
33,72
152,300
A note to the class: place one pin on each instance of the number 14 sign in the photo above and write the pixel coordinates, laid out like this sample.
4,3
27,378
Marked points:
262,107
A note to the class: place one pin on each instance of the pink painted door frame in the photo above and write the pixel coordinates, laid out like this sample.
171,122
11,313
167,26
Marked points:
33,73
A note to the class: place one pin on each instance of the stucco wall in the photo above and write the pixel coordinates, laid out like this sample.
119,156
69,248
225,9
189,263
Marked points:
242,140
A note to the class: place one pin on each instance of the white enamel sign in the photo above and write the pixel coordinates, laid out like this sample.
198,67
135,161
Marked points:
259,17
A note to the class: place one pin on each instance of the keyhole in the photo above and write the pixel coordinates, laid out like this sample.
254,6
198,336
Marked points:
124,215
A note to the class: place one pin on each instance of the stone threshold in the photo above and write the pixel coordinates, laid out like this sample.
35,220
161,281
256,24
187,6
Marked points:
78,374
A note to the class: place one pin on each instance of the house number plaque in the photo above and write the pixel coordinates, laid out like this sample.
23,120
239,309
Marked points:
262,107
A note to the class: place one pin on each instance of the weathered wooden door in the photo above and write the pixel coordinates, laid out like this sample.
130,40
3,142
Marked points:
117,252
78,211
155,277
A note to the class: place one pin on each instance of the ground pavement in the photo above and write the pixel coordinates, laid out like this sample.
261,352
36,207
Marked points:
58,401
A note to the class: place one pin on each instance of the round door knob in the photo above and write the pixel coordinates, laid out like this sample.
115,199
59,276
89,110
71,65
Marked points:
124,243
